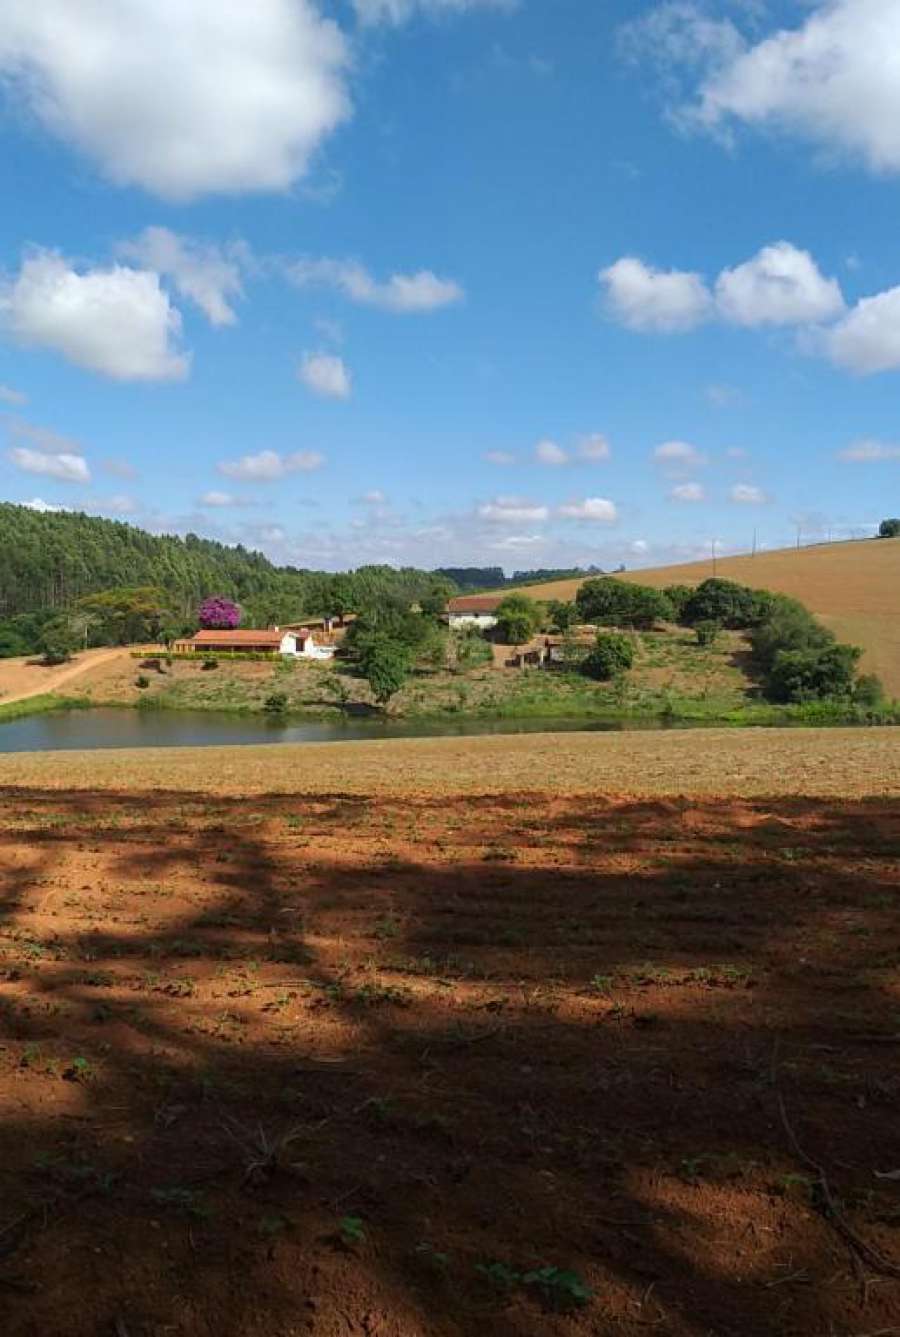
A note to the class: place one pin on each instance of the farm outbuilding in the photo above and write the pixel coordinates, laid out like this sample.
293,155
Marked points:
297,644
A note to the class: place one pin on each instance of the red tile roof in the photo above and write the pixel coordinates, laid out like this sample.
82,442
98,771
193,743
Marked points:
475,603
242,636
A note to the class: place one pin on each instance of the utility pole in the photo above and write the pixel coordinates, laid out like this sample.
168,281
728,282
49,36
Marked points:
753,553
714,543
798,537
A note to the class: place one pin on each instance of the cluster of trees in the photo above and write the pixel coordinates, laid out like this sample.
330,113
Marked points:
889,529
390,639
53,565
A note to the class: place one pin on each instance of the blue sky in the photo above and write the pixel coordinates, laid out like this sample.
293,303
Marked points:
453,281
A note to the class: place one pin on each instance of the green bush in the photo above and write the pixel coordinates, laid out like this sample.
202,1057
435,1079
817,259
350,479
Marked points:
386,666
618,603
722,601
56,642
869,690
812,674
889,529
707,631
612,655
276,704
678,595
209,664
141,681
518,618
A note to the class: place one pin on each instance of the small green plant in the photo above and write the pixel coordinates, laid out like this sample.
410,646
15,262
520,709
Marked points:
276,704
707,631
142,681
351,1230
439,1262
601,983
501,1277
560,1290
209,664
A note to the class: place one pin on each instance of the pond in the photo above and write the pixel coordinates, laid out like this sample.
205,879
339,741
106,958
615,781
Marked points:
108,727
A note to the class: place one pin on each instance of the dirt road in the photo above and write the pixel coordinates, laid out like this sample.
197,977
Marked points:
22,678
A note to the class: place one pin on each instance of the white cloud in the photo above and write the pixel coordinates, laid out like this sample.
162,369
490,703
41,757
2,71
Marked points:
215,498
869,449
639,547
374,498
42,438
10,396
678,457
326,375
268,466
834,80
115,321
780,285
399,11
518,543
182,98
648,299
548,452
201,272
45,507
66,467
501,457
688,492
513,511
119,468
597,509
746,494
594,447
401,293
868,338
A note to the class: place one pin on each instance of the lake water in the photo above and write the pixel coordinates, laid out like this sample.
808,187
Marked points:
99,727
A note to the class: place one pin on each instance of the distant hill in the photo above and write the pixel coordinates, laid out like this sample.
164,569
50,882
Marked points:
853,587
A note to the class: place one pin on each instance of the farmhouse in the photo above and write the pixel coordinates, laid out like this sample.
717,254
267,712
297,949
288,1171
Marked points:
473,610
298,644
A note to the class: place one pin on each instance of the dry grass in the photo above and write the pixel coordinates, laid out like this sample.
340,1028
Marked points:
853,587
702,762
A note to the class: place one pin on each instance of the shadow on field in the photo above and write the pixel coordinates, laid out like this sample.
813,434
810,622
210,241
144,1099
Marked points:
334,1065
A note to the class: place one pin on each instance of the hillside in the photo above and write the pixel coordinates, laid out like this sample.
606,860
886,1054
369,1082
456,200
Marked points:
853,587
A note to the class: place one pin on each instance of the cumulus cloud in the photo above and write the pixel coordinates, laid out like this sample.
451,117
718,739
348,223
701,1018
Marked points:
10,396
678,457
780,285
869,449
648,299
268,466
548,452
501,457
594,447
746,494
400,11
215,498
833,80
867,339
403,294
597,509
183,99
117,321
688,492
325,375
203,273
513,511
45,507
65,467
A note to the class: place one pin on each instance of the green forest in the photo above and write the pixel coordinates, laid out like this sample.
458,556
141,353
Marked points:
54,566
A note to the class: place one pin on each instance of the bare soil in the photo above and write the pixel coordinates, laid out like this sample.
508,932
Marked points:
317,1063
21,678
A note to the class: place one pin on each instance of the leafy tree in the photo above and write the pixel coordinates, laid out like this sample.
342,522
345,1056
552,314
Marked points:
812,674
518,618
124,614
619,603
869,690
57,642
562,615
889,529
788,626
386,666
722,601
611,655
678,596
217,613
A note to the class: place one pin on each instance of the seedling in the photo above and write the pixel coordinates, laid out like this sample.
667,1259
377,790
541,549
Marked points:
501,1277
561,1290
351,1230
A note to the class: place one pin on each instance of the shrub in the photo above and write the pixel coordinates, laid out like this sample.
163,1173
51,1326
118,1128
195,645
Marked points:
209,664
788,626
812,674
56,641
518,618
562,615
678,596
612,654
276,704
619,603
141,681
869,690
889,529
385,665
707,632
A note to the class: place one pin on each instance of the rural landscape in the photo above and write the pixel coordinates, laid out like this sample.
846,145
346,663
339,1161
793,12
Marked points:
449,668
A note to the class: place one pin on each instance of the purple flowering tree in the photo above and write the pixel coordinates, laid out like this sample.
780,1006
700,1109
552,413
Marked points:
217,613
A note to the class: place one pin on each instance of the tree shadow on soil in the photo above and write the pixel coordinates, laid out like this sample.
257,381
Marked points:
540,1034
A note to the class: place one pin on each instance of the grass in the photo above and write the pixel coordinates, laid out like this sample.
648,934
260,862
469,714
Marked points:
40,705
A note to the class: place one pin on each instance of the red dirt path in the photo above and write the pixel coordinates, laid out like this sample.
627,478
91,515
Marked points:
529,1031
